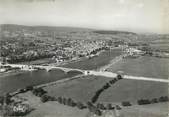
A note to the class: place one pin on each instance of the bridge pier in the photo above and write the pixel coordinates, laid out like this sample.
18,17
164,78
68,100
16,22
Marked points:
48,70
66,71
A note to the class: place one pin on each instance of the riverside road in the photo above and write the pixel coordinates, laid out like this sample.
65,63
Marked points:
87,72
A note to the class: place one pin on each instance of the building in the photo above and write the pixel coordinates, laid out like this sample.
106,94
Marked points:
134,51
21,108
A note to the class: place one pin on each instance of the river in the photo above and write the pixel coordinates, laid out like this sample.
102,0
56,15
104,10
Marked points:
11,83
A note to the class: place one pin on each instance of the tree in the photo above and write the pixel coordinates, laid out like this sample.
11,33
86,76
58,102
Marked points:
110,107
143,101
38,92
126,103
95,97
29,88
60,100
98,105
44,98
7,98
21,90
1,99
111,81
102,107
154,100
98,112
52,98
73,104
7,111
90,106
106,86
118,107
80,105
69,102
163,99
64,101
115,79
119,77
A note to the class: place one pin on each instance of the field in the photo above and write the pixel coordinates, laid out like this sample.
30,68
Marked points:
96,62
124,90
50,109
54,109
39,61
152,110
143,66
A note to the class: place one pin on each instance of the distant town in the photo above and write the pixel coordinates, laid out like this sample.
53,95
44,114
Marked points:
28,45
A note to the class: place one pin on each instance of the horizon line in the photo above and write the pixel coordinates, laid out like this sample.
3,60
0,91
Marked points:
82,27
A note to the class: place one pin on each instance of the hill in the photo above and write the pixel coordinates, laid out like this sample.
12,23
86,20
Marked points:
114,32
14,27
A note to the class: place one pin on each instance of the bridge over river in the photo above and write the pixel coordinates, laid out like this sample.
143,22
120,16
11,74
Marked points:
86,72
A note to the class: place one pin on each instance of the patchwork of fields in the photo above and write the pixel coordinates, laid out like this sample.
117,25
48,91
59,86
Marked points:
124,90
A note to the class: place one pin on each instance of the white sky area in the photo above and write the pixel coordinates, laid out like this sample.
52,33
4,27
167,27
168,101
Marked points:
130,15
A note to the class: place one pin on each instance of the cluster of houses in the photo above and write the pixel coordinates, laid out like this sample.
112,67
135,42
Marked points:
77,49
20,108
13,108
134,51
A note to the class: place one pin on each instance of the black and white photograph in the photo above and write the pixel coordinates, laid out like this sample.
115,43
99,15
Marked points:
84,58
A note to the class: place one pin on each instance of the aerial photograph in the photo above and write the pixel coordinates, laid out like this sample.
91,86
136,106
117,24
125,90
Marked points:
84,58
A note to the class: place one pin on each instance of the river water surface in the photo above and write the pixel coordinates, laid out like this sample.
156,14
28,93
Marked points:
13,82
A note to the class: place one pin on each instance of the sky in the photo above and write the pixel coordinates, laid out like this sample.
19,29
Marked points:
130,15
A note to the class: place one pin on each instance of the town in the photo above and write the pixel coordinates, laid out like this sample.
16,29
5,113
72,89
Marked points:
40,46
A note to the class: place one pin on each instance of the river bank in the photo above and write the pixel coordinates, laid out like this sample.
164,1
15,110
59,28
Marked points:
113,61
9,73
41,62
12,82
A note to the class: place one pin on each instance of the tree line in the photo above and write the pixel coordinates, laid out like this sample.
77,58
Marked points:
147,101
105,87
94,108
91,105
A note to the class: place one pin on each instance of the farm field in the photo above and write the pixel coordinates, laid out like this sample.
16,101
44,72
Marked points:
144,66
50,109
123,90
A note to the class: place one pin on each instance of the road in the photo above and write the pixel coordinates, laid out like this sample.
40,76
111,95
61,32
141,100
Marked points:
92,72
113,75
